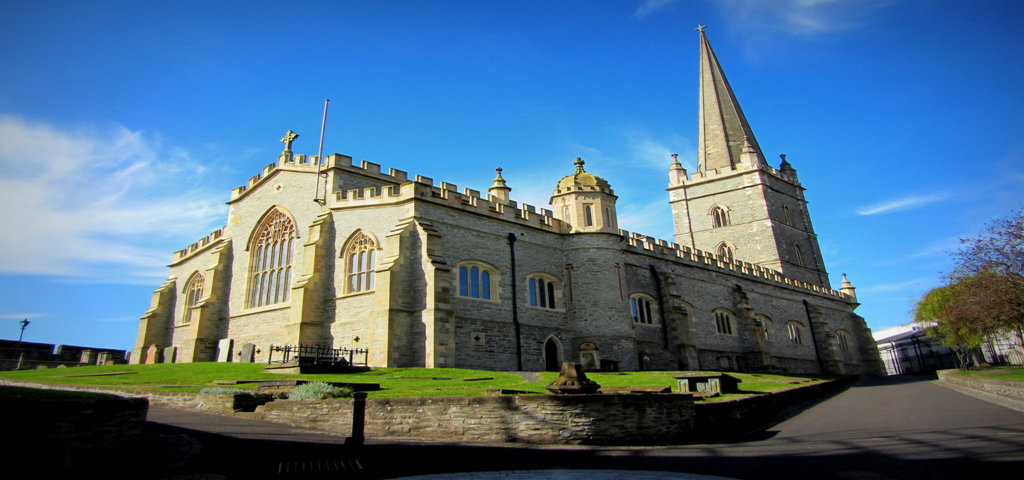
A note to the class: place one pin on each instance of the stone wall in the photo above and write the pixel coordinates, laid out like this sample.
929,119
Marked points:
721,420
1008,389
537,419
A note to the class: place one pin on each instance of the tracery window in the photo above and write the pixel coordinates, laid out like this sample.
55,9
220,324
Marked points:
545,291
843,340
270,260
725,253
643,309
477,280
798,255
360,261
723,322
193,292
719,217
795,330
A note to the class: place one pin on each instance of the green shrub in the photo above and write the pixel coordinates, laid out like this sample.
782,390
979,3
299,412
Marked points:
223,391
317,391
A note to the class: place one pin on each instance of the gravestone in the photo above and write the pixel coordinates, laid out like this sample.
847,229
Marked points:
153,354
248,352
224,350
590,357
169,354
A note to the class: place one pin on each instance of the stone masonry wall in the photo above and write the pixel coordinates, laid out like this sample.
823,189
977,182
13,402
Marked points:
540,419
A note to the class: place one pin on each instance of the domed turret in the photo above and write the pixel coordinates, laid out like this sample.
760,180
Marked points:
586,202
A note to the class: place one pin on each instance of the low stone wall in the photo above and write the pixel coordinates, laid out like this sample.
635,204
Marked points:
1013,391
720,420
538,419
204,402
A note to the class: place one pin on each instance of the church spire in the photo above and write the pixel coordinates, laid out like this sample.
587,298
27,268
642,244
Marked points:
725,139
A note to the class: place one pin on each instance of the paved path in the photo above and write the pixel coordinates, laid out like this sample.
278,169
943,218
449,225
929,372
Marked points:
880,428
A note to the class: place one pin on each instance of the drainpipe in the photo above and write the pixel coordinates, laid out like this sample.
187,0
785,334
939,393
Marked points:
515,302
661,306
814,338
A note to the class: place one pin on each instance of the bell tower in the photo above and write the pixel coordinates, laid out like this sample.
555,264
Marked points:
736,205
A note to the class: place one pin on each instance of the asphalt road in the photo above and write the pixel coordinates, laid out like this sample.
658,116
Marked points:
880,428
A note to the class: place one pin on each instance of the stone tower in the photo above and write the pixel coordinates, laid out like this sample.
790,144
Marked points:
585,202
736,205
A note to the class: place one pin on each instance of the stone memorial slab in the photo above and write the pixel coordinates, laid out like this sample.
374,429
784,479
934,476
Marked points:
224,350
169,354
153,354
248,353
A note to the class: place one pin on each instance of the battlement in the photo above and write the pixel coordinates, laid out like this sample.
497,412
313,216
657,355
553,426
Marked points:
199,246
448,194
700,177
674,251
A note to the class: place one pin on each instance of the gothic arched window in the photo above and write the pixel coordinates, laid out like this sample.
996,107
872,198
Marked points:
798,256
193,292
545,291
478,280
725,253
723,322
360,260
270,260
643,308
795,330
843,340
719,217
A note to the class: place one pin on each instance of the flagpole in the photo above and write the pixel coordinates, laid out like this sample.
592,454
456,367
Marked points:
320,159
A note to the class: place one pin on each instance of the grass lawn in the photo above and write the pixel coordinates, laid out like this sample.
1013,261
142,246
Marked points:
394,382
1002,373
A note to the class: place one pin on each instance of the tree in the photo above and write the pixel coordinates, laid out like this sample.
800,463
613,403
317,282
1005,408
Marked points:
963,338
1000,249
988,283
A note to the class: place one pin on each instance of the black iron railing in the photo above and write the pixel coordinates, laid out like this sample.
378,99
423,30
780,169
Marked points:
318,354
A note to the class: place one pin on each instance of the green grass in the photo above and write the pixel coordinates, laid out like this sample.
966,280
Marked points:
395,382
1015,374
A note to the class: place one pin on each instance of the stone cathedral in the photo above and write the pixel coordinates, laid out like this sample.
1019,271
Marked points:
422,274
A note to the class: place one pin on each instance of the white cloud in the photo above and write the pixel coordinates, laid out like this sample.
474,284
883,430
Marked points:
97,204
905,203
802,17
648,7
656,153
914,284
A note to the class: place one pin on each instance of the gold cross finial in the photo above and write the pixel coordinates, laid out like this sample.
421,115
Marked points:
700,28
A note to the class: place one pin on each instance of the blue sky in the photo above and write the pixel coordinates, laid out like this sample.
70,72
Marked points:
124,125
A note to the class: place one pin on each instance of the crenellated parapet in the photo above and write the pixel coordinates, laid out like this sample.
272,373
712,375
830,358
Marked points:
685,178
293,163
423,189
675,252
202,245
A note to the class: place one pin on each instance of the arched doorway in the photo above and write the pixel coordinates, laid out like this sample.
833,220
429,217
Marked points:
552,355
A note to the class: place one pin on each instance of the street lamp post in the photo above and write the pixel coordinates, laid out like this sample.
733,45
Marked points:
24,323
